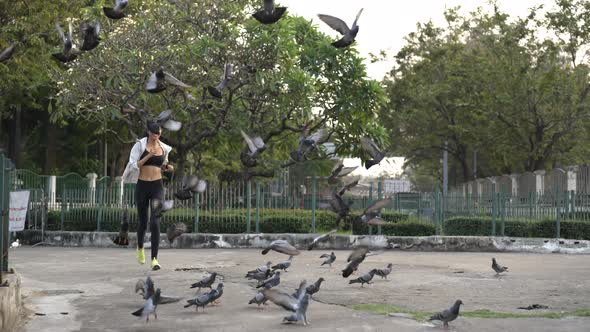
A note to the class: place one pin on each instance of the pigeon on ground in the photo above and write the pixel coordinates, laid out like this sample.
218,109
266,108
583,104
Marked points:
67,54
498,268
216,293
159,79
449,314
372,150
283,265
123,238
330,258
259,298
309,143
218,90
354,260
339,171
284,300
116,12
320,238
371,215
90,35
175,231
315,287
348,34
190,185
281,246
365,278
269,14
260,273
15,244
200,301
205,282
160,206
262,268
255,148
146,290
149,307
7,53
271,282
383,273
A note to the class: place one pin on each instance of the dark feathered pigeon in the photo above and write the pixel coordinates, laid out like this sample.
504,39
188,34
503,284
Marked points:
159,80
354,260
338,206
371,213
309,143
339,171
281,246
259,298
449,314
216,293
498,268
261,275
160,206
330,258
255,146
383,273
190,185
90,35
200,301
175,230
320,238
348,186
123,238
146,290
364,279
348,34
205,282
373,151
116,12
271,282
315,287
7,53
67,54
261,269
269,14
149,307
283,265
218,90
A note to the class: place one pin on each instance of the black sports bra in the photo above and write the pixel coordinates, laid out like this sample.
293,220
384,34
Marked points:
157,161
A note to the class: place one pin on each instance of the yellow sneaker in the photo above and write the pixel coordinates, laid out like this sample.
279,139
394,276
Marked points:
155,265
140,255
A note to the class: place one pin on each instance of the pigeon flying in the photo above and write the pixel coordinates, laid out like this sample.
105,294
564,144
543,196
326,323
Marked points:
269,14
330,258
320,238
348,34
67,53
281,246
123,238
90,34
149,307
218,90
116,12
159,79
175,231
373,151
7,53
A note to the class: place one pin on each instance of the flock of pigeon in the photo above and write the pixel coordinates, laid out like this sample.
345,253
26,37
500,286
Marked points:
268,277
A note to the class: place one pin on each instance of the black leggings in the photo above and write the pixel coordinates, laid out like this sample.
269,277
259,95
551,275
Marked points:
144,192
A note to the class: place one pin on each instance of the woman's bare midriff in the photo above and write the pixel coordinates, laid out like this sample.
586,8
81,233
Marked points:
150,173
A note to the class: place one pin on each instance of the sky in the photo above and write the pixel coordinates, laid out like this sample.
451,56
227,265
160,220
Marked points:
382,26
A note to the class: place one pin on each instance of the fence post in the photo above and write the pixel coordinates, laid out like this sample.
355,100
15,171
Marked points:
313,202
494,210
196,221
370,202
379,197
558,212
566,204
502,199
51,190
257,207
63,208
249,206
92,188
100,199
530,205
4,208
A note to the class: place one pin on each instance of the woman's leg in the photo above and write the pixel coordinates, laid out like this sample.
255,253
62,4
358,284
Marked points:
142,202
157,193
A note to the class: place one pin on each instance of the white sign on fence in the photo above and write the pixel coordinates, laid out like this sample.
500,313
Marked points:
19,201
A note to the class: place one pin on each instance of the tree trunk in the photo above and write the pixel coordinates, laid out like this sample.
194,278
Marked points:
14,149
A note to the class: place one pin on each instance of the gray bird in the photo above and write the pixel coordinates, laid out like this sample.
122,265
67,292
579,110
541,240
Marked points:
165,120
373,151
205,282
159,80
191,184
320,238
383,273
283,265
159,206
149,307
338,206
364,279
269,14
315,287
259,298
175,230
216,293
308,143
90,35
281,246
498,268
330,258
354,260
218,90
116,12
348,186
260,273
300,314
255,148
339,171
449,314
284,300
348,34
146,290
123,238
371,215
67,54
271,282
200,301
7,52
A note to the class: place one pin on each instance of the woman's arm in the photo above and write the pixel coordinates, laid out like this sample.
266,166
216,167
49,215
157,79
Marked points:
142,161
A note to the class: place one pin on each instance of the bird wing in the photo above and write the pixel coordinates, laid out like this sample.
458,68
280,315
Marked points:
319,136
189,181
347,170
269,5
172,125
249,142
7,52
378,205
174,81
152,82
284,247
357,18
369,146
348,187
337,169
164,116
120,4
281,299
335,23
60,32
357,253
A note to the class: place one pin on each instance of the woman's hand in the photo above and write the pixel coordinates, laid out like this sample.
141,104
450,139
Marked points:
168,168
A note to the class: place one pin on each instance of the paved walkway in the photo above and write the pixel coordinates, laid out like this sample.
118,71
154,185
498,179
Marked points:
91,289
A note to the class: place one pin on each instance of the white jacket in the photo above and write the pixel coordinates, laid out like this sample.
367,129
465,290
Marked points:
131,173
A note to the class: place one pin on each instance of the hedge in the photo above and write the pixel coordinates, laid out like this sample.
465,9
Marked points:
482,226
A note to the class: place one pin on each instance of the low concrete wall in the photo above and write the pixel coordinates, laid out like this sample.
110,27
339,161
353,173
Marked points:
336,242
10,302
